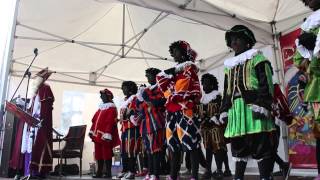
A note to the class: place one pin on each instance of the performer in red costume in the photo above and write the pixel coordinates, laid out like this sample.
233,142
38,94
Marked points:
130,137
181,87
104,133
151,101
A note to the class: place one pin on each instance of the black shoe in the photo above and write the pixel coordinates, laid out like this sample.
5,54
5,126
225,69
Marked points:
121,175
39,177
108,176
218,174
227,173
206,175
278,173
98,175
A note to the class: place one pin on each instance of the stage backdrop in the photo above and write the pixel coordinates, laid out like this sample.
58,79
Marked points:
301,143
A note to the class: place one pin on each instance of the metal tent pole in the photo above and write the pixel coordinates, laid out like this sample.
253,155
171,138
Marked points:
5,67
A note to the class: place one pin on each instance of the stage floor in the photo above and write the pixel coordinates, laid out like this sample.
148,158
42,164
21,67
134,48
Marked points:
248,177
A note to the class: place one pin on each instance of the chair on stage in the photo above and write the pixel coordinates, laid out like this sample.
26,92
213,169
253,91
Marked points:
73,147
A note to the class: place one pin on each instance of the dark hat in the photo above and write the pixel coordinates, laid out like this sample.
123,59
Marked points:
240,31
107,92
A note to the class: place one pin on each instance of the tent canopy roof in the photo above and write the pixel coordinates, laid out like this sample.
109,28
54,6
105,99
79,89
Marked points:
103,42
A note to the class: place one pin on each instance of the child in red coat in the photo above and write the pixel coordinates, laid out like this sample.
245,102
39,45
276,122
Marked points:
104,133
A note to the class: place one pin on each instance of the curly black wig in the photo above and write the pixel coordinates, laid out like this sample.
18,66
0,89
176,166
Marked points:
184,48
152,71
242,32
132,86
212,79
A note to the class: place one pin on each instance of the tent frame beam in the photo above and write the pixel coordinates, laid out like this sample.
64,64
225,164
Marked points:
66,39
66,73
78,83
140,34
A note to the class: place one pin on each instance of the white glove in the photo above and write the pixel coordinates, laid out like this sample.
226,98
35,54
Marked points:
133,120
215,120
106,136
139,93
20,101
223,117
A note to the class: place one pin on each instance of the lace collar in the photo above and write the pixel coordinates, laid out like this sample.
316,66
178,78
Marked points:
241,58
206,98
312,21
104,106
180,67
127,102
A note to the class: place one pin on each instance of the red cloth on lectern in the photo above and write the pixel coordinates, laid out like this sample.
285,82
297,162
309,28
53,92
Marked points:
104,131
41,160
16,160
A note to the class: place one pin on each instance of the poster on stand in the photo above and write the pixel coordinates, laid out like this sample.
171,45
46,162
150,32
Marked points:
301,142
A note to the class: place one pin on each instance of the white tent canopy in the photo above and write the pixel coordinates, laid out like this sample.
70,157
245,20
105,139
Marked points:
104,42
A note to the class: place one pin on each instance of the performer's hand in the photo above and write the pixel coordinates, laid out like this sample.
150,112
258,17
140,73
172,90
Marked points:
171,71
90,134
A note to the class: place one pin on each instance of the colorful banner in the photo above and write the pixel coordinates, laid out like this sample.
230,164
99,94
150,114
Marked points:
301,142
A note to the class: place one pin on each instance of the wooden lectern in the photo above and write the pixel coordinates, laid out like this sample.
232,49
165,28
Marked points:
14,114
21,115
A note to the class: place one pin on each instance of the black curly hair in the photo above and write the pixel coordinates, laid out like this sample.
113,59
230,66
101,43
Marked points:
312,5
174,45
179,45
211,78
153,71
132,86
242,32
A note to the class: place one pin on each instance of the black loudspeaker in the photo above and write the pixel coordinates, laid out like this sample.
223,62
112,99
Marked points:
7,145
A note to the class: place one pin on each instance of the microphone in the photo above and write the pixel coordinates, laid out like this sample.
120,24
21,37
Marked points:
35,51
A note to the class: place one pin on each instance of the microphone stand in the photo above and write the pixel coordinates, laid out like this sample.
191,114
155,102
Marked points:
28,74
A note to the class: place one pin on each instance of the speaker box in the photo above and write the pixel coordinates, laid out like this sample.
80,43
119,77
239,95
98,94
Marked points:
7,145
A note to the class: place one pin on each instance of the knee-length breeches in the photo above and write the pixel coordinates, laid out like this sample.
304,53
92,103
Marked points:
153,142
182,132
130,142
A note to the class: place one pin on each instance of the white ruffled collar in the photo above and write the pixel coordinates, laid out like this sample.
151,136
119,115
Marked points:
127,102
180,67
206,98
241,58
313,21
104,106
